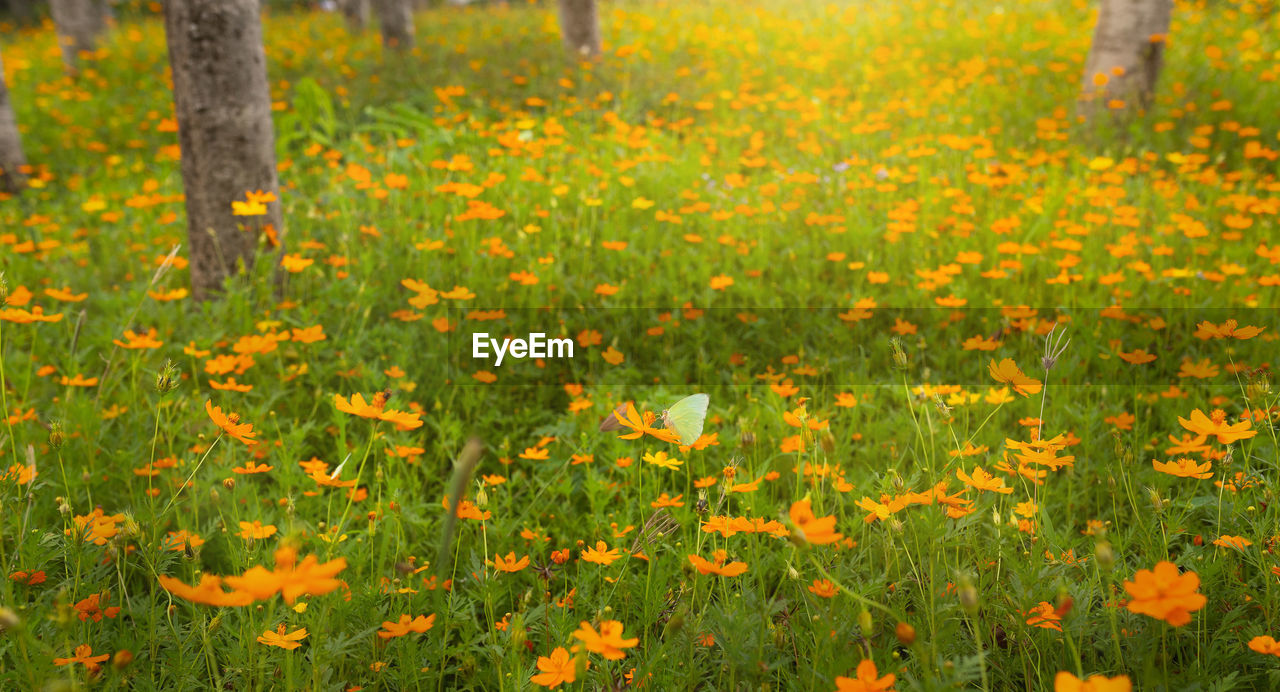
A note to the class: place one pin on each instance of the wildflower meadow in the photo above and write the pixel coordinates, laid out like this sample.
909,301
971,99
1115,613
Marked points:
988,363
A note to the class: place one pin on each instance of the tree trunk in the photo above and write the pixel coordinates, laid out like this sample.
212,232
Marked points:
357,14
223,106
580,27
396,19
11,158
79,24
1127,52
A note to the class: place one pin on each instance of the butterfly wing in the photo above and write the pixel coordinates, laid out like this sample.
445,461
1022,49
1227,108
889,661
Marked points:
686,417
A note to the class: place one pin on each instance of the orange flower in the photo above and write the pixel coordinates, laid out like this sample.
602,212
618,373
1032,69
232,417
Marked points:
207,592
823,588
557,669
1044,616
1184,468
601,555
230,423
704,566
607,642
256,530
1265,645
1138,357
1237,542
290,579
288,642
359,407
406,625
84,654
981,480
811,529
1066,682
510,563
1216,424
1165,594
1007,372
642,425
866,680
135,341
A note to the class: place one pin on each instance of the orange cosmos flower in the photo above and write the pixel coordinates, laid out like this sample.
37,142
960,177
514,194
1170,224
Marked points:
256,530
1237,542
135,341
607,642
207,592
230,423
290,578
1008,372
84,654
1216,424
1165,594
704,566
1138,357
981,480
1044,616
557,669
406,625
1265,645
601,555
288,642
510,563
866,680
1066,682
359,407
823,588
810,529
1184,468
642,425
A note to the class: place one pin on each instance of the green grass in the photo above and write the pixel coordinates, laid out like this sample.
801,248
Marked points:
818,155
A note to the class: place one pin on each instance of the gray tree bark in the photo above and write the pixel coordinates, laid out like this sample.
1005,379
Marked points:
223,105
1128,51
580,27
396,19
357,14
11,158
79,23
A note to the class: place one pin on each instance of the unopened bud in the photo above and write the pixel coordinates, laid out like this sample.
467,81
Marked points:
865,622
229,483
1105,556
828,442
168,378
9,619
906,634
748,438
122,659
968,594
57,437
899,353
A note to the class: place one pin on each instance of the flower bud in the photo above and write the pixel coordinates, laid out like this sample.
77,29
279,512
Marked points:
168,378
906,634
229,483
748,438
968,594
899,353
827,442
865,622
1105,556
8,619
122,659
57,437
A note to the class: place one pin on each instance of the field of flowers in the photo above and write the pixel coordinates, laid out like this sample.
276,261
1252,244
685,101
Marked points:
990,388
